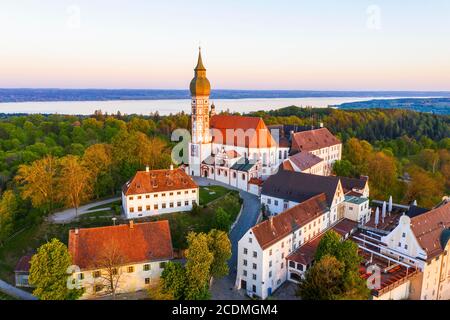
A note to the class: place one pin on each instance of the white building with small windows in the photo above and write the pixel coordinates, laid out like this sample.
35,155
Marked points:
155,192
229,148
133,255
321,143
265,251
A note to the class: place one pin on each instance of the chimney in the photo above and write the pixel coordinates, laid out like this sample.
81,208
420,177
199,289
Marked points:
77,231
271,222
147,168
171,167
131,224
321,125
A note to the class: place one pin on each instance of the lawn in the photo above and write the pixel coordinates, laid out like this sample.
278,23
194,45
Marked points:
181,223
107,205
4,296
211,193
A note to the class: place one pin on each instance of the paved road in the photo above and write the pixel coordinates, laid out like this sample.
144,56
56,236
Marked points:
68,215
224,288
15,292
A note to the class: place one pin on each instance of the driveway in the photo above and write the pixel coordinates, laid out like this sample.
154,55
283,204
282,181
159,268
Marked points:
224,288
68,215
15,292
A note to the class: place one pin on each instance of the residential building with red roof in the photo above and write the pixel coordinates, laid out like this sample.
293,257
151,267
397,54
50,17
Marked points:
134,255
321,143
155,192
423,241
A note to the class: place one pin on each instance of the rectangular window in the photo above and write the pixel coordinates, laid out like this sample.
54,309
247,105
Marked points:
179,193
146,267
291,264
147,280
171,205
139,197
171,194
270,274
114,271
163,195
254,276
245,250
244,273
96,274
254,288
186,192
255,254
194,191
250,240
139,209
245,262
254,266
80,276
131,209
155,207
163,205
98,288
130,269
147,208
130,198
148,196
186,203
179,203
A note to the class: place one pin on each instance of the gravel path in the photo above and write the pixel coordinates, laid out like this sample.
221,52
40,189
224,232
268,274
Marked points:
15,292
68,215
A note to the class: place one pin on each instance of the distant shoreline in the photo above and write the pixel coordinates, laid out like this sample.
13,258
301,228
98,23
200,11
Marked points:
92,95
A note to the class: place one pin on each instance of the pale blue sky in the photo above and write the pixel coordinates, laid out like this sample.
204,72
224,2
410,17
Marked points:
247,44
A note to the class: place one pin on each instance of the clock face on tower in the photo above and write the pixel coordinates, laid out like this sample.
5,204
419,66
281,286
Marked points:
194,150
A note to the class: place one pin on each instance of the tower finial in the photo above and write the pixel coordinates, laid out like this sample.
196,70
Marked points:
200,65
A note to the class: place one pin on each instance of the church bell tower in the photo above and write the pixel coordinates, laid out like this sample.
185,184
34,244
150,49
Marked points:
200,146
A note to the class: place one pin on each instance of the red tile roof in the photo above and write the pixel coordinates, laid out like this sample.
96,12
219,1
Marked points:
305,160
306,253
270,231
257,181
313,140
136,243
249,132
287,165
158,181
428,228
23,265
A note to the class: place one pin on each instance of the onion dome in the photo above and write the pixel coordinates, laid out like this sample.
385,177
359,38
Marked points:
200,85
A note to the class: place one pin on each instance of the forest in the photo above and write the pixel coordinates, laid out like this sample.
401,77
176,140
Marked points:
48,162
404,153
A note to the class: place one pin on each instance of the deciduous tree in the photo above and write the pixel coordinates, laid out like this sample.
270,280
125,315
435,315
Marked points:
39,181
74,186
48,272
199,260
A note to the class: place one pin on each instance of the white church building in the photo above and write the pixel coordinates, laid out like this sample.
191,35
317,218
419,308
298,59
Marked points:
235,150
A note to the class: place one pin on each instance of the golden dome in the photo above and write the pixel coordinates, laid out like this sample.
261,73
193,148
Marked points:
200,85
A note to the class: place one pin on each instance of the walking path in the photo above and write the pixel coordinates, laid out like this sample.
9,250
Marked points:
224,288
15,292
68,215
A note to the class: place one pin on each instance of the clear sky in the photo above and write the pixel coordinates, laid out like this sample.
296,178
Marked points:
247,44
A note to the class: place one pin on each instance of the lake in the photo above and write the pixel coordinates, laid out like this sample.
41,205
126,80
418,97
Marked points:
165,107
